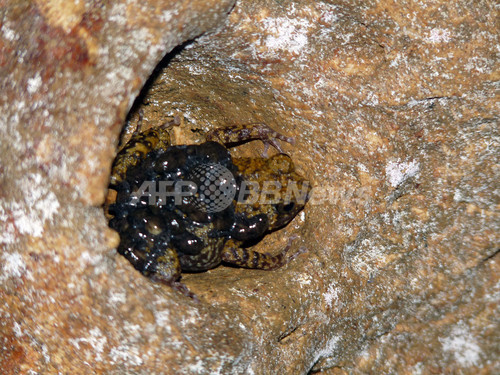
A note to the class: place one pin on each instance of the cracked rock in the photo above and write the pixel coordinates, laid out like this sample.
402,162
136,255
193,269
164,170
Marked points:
393,109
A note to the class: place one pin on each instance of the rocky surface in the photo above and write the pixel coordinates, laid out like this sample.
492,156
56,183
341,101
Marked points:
394,112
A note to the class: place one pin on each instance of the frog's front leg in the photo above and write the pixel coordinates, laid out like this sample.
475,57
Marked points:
161,265
244,133
246,258
136,150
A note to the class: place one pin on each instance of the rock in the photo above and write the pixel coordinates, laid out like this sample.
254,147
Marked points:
394,113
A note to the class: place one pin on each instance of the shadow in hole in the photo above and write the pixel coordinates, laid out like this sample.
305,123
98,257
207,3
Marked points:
163,64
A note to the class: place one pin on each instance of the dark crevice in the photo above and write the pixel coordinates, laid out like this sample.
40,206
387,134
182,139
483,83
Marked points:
159,68
489,257
286,335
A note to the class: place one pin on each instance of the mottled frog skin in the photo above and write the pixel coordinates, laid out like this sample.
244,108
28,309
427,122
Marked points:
161,240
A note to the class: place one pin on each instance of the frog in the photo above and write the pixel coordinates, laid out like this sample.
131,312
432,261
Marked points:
166,233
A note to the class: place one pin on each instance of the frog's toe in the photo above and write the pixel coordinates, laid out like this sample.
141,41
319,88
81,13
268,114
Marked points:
287,255
167,270
271,137
177,286
244,133
182,288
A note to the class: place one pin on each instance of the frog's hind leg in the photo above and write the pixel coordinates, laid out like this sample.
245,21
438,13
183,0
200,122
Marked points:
246,258
243,133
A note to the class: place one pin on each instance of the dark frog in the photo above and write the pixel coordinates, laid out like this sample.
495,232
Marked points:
192,207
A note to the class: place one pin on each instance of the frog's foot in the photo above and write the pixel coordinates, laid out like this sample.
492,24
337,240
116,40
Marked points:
289,257
177,286
252,259
166,270
176,120
182,288
249,132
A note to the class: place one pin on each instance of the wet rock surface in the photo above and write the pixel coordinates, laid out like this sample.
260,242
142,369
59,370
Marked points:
394,114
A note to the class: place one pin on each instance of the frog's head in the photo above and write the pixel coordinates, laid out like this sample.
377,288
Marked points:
278,191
